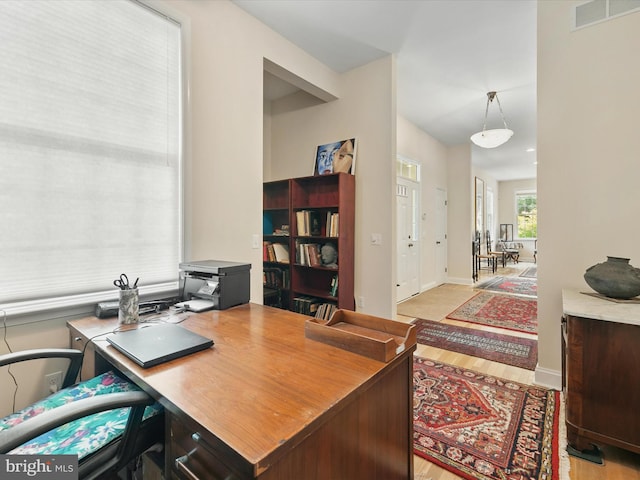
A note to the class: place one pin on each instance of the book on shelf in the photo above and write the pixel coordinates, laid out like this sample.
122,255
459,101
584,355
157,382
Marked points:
315,223
314,254
267,252
308,254
276,277
281,252
275,252
332,224
309,223
333,290
283,231
306,305
301,223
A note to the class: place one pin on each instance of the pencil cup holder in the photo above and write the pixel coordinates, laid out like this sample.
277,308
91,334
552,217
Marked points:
128,311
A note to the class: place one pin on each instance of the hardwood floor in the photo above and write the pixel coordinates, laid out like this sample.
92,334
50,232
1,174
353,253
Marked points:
435,304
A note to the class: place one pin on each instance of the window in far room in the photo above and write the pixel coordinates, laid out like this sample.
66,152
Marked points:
527,214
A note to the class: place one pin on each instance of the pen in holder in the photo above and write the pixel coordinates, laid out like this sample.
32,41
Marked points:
128,311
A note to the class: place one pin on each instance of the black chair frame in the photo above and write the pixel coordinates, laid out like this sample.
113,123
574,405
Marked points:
138,436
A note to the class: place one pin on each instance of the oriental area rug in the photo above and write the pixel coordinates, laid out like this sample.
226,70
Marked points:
513,285
497,310
530,272
507,349
482,427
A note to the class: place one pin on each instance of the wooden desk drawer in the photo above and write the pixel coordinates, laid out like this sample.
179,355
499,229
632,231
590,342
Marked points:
191,456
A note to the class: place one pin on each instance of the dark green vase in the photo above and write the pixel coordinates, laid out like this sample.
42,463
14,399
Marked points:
614,278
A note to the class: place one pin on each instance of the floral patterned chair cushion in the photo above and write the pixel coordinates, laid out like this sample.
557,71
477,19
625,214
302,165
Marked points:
85,435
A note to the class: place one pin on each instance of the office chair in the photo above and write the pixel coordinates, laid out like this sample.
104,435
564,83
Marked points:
107,421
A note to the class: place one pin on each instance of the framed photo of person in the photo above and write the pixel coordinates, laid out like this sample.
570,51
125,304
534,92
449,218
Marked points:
336,157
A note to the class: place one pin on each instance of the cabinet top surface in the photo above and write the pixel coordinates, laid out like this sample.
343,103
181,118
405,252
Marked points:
262,384
578,304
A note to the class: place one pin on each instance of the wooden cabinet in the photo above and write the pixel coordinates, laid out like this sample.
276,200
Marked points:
601,374
319,211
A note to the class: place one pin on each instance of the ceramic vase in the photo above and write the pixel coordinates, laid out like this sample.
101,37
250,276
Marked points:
614,278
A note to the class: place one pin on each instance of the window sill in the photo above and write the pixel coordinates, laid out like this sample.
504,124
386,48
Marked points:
18,313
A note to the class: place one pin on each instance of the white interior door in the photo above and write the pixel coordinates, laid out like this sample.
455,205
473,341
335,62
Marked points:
408,249
441,236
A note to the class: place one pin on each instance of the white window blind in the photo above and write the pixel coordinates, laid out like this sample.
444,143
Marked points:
90,142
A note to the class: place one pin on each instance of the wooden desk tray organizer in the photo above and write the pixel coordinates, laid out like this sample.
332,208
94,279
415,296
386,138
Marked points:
373,337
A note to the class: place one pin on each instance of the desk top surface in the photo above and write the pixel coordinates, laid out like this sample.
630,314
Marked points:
262,384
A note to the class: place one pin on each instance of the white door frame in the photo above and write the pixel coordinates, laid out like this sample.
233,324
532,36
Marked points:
441,237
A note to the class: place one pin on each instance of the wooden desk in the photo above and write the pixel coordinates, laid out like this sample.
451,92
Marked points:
266,402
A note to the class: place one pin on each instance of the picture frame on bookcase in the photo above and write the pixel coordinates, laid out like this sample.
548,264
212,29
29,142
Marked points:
336,157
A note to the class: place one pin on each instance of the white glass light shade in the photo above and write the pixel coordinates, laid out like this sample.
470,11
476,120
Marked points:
491,138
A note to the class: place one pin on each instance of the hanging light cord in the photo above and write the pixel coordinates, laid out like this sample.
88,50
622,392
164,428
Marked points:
490,97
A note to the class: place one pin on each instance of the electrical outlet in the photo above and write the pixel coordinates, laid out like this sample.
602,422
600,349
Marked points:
360,302
52,382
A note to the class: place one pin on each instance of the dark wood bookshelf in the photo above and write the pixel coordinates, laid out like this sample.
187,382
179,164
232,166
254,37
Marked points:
327,198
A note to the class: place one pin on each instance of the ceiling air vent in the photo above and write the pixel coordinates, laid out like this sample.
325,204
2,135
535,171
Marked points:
597,11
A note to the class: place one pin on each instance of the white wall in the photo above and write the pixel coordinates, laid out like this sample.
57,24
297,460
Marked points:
588,158
461,225
223,187
507,211
365,109
421,147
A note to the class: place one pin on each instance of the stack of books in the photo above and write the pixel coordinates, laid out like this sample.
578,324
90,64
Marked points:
308,223
308,254
325,311
332,224
276,277
275,252
306,305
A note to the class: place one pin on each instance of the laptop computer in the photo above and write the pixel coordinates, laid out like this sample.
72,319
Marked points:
151,345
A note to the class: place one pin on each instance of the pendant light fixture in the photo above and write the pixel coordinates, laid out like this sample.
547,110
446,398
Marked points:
496,137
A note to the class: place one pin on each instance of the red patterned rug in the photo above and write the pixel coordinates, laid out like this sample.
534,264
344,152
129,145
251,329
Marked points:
496,310
513,285
482,427
516,351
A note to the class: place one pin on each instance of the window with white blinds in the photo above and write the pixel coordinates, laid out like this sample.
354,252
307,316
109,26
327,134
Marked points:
90,147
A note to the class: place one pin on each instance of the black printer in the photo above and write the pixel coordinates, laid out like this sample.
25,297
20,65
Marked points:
226,284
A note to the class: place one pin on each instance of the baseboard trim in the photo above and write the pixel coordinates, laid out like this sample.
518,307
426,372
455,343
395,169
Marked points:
548,378
428,286
460,281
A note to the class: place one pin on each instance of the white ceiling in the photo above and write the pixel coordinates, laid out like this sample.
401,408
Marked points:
450,53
